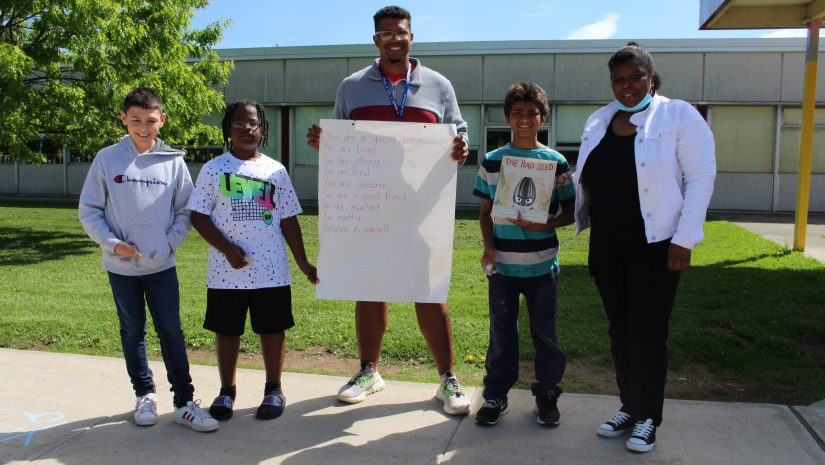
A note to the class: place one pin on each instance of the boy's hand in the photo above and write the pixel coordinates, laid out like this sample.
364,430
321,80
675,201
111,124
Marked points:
528,225
127,250
309,270
488,262
314,137
235,256
460,150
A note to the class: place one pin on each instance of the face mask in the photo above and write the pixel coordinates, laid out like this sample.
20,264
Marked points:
645,101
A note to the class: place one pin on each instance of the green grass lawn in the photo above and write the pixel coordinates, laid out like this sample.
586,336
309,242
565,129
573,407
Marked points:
747,309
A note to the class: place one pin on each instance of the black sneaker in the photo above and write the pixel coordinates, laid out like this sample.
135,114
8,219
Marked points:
643,437
617,425
547,413
491,411
221,408
272,406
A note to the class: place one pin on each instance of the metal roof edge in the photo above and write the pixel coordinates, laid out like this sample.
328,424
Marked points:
520,47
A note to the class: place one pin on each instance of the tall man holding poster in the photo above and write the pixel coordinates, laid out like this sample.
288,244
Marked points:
399,88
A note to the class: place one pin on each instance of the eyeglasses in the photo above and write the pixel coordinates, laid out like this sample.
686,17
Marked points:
389,35
253,124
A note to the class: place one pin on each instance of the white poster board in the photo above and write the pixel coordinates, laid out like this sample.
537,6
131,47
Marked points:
386,211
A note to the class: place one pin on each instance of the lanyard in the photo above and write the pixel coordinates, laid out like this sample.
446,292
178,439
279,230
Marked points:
399,112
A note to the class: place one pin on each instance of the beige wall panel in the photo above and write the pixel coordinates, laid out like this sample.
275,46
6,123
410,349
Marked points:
728,189
314,80
262,81
464,74
357,64
681,75
582,77
43,179
7,179
77,176
743,77
465,181
501,71
793,74
305,181
787,193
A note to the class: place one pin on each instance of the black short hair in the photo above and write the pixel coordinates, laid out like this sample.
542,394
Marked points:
143,97
392,11
633,51
226,123
526,92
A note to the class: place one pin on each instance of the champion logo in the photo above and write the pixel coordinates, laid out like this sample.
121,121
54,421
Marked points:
123,178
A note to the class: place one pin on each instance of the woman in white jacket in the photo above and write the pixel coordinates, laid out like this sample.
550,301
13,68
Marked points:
643,183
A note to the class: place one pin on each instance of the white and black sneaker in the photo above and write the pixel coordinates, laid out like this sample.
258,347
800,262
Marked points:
643,437
619,424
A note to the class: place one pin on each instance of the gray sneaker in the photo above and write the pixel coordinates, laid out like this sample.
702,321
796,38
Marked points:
365,382
451,392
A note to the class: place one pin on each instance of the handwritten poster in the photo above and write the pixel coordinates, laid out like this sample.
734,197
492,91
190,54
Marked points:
386,209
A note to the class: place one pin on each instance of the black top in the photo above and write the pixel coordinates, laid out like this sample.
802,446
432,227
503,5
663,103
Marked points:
610,178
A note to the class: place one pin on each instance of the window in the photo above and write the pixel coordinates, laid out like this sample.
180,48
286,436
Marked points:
744,138
789,140
570,121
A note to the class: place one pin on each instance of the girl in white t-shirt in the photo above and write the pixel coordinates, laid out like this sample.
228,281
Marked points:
245,207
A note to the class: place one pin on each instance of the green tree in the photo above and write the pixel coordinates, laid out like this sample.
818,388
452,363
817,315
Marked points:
66,65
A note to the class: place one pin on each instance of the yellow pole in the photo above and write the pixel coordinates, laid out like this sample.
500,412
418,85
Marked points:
806,138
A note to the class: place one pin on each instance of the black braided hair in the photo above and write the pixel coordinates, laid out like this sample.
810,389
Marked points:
226,123
634,52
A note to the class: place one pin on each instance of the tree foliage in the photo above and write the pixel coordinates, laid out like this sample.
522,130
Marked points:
66,65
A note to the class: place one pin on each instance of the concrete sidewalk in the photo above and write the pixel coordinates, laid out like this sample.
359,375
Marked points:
779,228
77,410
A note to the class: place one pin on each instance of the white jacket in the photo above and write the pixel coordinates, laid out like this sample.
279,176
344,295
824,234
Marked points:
675,168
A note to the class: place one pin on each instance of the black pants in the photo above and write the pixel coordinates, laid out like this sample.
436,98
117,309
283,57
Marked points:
638,292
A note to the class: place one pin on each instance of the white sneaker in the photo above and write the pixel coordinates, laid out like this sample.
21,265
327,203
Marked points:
619,424
195,417
451,392
364,383
146,410
643,437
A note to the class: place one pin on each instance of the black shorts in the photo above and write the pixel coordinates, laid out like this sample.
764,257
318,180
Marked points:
270,310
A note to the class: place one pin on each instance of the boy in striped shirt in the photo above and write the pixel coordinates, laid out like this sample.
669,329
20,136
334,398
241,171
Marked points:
520,257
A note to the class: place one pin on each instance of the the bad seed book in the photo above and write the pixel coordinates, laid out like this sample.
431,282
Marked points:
525,186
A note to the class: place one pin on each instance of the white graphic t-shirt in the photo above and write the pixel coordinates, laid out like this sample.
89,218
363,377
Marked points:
246,200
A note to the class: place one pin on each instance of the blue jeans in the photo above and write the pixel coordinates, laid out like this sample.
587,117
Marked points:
503,352
161,294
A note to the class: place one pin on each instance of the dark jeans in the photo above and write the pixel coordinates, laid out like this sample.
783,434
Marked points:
161,295
503,352
638,292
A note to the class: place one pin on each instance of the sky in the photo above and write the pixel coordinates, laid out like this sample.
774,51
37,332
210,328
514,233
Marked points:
271,23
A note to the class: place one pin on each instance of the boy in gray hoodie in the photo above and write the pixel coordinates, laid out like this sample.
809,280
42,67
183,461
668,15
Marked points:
133,204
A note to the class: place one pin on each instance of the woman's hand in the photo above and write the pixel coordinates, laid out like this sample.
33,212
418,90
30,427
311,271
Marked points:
678,257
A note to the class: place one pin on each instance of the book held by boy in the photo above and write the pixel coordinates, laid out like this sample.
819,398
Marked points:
525,185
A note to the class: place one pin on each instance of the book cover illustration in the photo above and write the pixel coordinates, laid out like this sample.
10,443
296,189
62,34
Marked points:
525,185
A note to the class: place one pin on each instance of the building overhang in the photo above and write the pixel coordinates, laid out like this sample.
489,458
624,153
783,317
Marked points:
759,14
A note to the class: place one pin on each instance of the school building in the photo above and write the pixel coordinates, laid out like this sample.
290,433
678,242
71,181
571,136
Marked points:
749,90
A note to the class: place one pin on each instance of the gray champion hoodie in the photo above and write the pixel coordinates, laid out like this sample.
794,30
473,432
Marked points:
138,199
